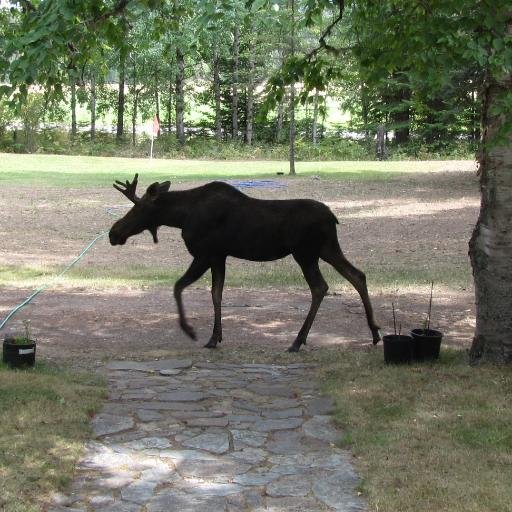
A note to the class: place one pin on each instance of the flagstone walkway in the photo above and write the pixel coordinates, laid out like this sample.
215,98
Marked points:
212,437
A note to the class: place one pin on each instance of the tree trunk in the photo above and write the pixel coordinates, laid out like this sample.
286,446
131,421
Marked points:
134,115
73,108
314,128
279,121
216,93
180,100
157,102
121,96
490,247
169,106
365,110
135,102
249,113
93,107
292,93
234,97
292,130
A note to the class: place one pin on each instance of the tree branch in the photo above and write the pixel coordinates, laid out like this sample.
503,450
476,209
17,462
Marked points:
323,44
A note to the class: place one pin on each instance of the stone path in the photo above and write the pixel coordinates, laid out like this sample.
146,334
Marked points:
178,436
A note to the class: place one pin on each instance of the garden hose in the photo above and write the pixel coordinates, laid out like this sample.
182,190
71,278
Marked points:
45,286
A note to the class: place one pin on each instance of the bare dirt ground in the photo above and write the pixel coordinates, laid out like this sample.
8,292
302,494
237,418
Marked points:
411,223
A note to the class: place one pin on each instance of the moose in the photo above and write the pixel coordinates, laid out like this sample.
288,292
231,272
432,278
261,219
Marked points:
217,221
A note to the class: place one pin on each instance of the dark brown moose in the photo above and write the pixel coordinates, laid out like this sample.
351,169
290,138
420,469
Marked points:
217,221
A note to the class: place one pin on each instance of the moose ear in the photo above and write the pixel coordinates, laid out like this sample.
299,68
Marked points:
155,189
164,187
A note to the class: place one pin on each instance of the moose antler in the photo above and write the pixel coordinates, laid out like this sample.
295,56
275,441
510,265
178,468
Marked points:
129,189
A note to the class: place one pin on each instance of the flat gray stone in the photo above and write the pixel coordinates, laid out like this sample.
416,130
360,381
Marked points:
337,490
169,372
182,396
282,424
101,501
256,478
211,488
160,474
263,388
104,424
146,415
290,485
207,422
221,469
250,455
179,456
122,506
168,406
170,501
139,492
147,443
321,427
242,438
170,364
214,442
282,413
293,505
283,442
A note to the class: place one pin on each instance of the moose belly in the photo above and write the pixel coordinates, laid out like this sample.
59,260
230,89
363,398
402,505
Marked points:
258,246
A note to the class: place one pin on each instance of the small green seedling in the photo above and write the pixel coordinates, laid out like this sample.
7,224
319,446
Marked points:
26,338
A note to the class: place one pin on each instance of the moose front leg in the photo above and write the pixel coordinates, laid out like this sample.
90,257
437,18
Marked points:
218,274
197,268
318,288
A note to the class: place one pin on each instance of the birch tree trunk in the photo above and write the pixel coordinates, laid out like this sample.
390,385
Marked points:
279,121
490,247
292,93
73,108
157,101
216,93
120,95
234,96
169,106
180,100
314,129
93,106
250,98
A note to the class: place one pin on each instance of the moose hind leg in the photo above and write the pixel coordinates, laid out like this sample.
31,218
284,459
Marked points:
333,255
318,288
194,272
218,274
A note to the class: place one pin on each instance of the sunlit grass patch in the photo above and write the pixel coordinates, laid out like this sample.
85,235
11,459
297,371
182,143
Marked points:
79,171
426,437
44,418
284,273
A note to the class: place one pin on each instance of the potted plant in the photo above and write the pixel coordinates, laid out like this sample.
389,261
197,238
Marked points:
19,350
427,341
398,348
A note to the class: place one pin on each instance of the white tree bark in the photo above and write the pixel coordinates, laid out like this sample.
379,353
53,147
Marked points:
491,243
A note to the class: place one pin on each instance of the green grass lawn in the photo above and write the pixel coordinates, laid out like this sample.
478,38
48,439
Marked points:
79,171
427,436
44,418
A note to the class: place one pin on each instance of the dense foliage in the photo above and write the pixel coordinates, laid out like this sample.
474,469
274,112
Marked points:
221,70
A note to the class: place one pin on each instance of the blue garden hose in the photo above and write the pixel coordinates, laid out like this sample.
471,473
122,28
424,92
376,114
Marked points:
45,286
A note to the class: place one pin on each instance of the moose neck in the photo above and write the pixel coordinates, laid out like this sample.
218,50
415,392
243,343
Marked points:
175,208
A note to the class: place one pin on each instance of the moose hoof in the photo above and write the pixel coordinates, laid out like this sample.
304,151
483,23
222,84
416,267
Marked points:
211,344
294,348
376,337
189,331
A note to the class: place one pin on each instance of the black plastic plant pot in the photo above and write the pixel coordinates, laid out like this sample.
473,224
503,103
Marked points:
398,349
427,344
17,355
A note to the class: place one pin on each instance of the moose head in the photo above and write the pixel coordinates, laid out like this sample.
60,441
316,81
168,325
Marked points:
142,216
